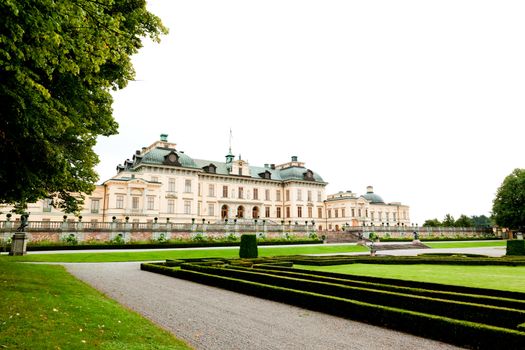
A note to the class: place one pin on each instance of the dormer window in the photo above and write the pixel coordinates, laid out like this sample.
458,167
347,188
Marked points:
171,158
309,175
210,168
266,175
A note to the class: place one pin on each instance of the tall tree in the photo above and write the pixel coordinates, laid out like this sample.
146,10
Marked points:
481,221
432,223
464,221
448,221
59,60
508,208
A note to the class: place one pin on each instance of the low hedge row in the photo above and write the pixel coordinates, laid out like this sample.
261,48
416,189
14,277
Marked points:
491,315
411,284
518,304
195,244
408,260
440,328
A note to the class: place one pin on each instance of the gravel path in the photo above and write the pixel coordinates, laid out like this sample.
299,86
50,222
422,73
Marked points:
212,318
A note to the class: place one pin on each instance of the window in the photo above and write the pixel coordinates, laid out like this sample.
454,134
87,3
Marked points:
353,212
287,212
224,191
288,195
387,216
267,212
211,209
241,192
309,196
240,171
309,212
329,213
359,212
199,193
95,205
394,216
211,190
336,211
319,197
47,205
151,202
154,179
278,195
299,195
267,195
171,185
171,206
120,202
380,215
187,207
187,186
366,212
255,193
135,202
343,212
299,212
372,216
320,213
279,212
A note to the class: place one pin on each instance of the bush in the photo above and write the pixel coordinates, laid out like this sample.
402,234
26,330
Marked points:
248,248
70,239
516,247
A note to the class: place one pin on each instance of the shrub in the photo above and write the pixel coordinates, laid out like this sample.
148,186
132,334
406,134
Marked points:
70,239
118,239
248,249
516,247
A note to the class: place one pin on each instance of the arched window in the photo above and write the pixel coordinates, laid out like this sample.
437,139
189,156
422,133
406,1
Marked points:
255,212
240,212
224,212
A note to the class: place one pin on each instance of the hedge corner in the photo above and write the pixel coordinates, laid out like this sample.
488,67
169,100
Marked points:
248,249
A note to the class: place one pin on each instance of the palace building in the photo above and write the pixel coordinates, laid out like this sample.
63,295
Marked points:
167,184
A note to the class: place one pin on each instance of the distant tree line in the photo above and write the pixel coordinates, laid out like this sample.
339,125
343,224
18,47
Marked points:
462,221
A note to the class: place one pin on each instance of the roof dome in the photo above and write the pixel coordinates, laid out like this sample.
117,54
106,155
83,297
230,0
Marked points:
372,197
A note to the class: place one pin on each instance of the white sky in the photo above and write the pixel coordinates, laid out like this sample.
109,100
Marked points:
424,100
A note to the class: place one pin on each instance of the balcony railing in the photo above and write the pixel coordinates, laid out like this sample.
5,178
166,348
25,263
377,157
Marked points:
230,226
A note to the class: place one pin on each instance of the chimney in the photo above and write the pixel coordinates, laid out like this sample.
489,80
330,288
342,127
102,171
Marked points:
266,166
294,158
369,189
272,166
164,137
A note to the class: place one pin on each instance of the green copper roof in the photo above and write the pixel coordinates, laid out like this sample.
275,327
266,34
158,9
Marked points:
373,198
298,173
156,156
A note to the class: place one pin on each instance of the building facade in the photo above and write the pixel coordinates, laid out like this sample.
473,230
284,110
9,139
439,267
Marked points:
346,209
165,184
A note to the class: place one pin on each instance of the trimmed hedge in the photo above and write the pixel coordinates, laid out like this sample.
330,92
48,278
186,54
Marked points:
486,314
248,249
109,246
406,260
516,247
440,328
412,284
518,304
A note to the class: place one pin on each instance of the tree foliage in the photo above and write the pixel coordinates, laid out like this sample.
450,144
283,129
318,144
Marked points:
462,221
508,209
59,60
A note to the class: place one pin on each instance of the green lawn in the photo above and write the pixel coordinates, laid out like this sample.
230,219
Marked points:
44,307
183,253
472,244
493,277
